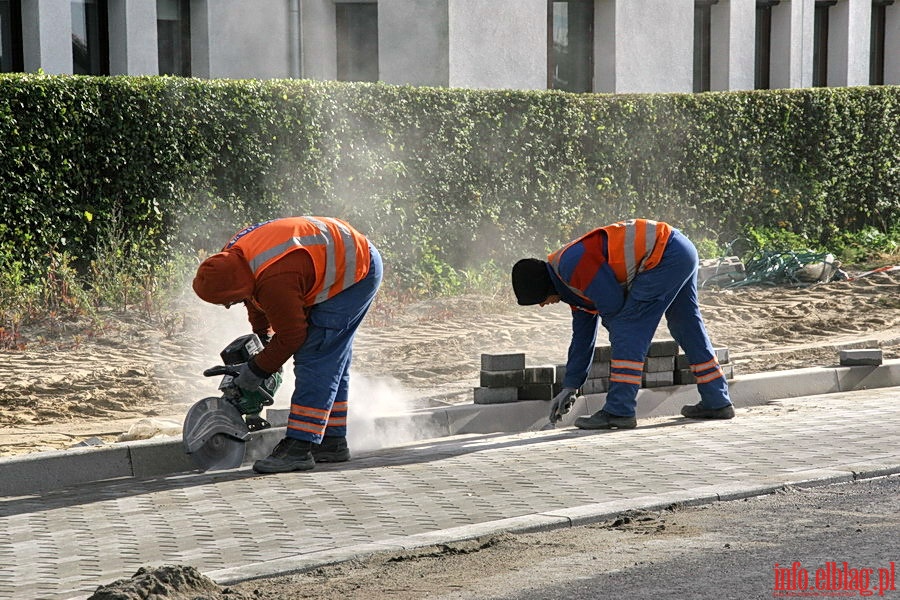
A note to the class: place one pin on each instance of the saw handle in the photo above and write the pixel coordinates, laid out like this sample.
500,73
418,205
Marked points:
229,370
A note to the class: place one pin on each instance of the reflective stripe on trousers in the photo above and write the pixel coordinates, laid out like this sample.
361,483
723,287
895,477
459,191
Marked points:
322,364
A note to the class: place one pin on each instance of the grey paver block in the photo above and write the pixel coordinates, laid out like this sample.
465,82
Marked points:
536,391
501,379
598,370
663,348
595,386
658,364
602,353
486,395
723,355
660,379
502,362
540,374
861,357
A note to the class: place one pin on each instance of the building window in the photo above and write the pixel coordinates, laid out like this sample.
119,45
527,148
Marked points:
702,43
357,41
877,47
820,43
90,37
570,52
173,37
11,55
763,62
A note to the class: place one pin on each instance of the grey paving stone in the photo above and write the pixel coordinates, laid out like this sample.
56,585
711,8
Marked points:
660,379
598,370
663,348
658,364
596,386
602,353
501,379
502,362
540,374
486,395
861,357
536,391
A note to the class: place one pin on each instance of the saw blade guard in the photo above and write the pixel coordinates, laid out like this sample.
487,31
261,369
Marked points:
212,417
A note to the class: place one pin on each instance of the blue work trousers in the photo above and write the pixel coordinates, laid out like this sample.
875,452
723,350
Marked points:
322,364
668,289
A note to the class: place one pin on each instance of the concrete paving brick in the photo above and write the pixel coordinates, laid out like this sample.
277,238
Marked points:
496,395
540,374
658,364
655,380
723,355
596,386
861,357
502,379
663,348
602,353
598,370
536,391
683,377
502,362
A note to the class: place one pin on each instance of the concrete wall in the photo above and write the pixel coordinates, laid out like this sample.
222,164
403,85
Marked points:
319,55
498,44
733,45
654,54
47,36
414,42
132,38
243,39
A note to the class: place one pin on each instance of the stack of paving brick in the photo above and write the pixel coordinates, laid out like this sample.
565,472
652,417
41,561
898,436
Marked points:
505,378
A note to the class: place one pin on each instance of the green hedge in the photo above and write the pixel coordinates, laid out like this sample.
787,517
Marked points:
437,177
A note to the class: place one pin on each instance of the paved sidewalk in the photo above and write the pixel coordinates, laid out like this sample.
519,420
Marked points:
235,525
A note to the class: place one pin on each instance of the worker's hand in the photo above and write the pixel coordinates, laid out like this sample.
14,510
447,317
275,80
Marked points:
562,403
247,378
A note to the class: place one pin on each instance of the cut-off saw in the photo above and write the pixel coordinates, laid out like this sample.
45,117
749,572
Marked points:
216,430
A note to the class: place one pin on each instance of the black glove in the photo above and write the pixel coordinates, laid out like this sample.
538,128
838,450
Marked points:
562,403
249,377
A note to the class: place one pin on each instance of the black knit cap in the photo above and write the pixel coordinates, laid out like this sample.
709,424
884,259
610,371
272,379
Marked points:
531,282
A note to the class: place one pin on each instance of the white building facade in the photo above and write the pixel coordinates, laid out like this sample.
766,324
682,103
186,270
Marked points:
615,46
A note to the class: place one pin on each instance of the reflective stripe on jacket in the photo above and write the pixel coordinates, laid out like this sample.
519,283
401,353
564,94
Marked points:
339,252
630,246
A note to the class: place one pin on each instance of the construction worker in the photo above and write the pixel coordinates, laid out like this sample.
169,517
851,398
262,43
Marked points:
307,281
626,276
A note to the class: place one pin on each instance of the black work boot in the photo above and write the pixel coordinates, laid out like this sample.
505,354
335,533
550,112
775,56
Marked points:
289,455
332,449
604,420
698,411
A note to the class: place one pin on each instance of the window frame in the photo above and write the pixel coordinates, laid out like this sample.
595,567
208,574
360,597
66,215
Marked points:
347,51
184,69
762,67
703,45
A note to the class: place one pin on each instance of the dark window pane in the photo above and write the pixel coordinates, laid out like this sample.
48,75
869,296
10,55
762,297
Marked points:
173,34
702,43
763,43
357,41
820,42
876,47
571,46
11,36
90,38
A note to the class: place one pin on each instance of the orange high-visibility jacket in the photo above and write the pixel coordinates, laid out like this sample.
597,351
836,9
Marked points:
630,247
339,252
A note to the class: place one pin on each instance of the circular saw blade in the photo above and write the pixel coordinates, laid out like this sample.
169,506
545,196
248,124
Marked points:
214,434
